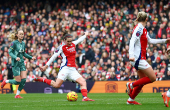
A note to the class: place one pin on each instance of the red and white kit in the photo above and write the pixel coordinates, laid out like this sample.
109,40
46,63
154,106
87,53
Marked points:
68,65
138,46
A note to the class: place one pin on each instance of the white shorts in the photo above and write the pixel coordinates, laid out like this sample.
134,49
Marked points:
140,65
69,73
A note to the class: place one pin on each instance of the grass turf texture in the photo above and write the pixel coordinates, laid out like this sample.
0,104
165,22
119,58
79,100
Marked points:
105,101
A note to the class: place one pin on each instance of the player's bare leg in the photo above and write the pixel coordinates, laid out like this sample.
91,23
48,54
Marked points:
83,87
57,83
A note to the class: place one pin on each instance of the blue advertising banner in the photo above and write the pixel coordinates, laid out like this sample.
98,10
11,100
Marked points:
39,87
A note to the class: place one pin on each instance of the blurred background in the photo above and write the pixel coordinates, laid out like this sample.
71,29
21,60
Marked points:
103,56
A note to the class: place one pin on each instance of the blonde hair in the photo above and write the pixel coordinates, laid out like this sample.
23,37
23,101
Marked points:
141,17
13,35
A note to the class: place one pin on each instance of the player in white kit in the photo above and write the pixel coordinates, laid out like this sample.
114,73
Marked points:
68,66
137,56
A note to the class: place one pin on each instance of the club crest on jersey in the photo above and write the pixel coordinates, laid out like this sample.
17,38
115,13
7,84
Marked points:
137,33
12,44
56,50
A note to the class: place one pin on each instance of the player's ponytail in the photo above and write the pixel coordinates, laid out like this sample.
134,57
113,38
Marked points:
141,17
12,36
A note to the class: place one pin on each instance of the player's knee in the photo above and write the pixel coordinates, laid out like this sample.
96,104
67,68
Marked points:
153,79
56,85
83,82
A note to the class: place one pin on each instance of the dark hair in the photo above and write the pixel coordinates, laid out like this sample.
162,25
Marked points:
65,32
66,35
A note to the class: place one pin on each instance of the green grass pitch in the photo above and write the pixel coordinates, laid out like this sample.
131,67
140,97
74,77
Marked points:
105,101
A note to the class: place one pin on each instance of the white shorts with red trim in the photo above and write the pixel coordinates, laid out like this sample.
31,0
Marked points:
140,64
69,73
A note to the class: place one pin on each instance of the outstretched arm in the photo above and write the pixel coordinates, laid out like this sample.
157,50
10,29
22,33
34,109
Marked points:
80,39
155,41
55,55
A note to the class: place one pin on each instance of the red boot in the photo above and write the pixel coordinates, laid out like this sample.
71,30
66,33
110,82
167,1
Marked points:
87,99
18,97
3,83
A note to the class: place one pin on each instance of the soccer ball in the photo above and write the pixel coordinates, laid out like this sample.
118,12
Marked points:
72,96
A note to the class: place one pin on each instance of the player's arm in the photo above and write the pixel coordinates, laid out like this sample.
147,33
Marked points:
80,39
135,36
26,55
155,41
55,55
11,50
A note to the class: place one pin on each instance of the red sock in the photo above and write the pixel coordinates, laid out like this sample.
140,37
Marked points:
84,92
136,91
141,82
48,81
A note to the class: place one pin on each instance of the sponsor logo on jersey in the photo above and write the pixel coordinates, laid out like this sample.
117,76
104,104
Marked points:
111,87
71,49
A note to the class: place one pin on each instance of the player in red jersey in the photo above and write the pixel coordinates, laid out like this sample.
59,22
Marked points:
137,56
68,66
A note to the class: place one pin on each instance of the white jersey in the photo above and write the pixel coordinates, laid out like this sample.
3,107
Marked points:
139,41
